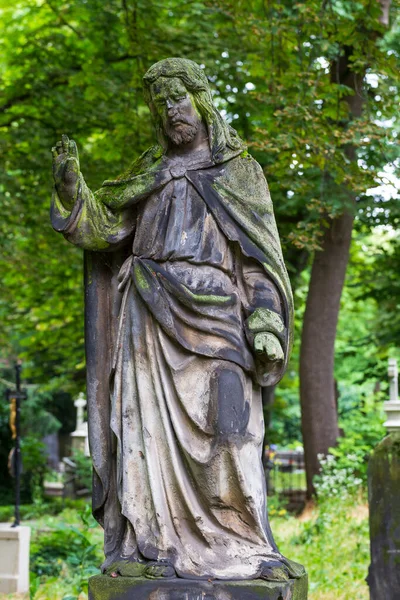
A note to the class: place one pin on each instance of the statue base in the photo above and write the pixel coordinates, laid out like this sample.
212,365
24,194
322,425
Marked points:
102,587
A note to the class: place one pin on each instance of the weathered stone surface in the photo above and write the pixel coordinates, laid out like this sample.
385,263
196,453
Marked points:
392,408
14,563
384,503
188,313
128,588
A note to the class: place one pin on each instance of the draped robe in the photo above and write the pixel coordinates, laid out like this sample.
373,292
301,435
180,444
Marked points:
183,268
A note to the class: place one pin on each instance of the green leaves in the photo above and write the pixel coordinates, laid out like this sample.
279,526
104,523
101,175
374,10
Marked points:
76,68
300,127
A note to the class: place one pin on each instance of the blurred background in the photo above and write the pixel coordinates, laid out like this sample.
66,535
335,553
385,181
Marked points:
313,88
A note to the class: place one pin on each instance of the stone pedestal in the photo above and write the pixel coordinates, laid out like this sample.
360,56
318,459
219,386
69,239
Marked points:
384,504
102,587
79,437
14,563
80,440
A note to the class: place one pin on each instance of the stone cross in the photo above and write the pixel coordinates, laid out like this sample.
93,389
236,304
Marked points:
80,435
80,404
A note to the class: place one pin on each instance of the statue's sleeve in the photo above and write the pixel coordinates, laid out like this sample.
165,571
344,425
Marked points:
261,301
105,219
264,313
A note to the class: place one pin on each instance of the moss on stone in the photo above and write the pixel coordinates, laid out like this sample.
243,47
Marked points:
140,278
102,587
384,519
208,298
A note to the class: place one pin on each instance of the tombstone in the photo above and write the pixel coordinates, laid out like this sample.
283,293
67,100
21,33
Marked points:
53,450
384,502
79,437
14,563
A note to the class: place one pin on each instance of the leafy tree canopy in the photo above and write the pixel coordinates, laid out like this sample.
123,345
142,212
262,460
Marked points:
76,68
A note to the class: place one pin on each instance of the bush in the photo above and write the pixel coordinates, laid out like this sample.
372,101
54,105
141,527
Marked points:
64,544
83,470
338,477
68,551
344,469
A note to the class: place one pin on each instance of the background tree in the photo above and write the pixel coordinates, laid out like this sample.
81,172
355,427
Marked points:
316,133
291,77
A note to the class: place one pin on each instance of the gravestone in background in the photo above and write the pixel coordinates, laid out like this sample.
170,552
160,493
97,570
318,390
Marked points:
79,437
384,503
189,312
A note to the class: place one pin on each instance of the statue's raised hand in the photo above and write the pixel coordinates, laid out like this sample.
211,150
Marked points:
66,170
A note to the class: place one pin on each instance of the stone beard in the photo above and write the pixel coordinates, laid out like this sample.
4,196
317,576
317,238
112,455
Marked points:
188,313
184,134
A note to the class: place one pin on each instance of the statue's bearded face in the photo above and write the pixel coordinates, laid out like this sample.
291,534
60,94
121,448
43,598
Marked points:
176,108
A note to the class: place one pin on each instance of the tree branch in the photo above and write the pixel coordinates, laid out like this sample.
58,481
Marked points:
63,21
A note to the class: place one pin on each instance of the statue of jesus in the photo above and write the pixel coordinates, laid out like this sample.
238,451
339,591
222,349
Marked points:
188,313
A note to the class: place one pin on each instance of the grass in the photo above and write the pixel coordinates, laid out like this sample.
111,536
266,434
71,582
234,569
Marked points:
331,541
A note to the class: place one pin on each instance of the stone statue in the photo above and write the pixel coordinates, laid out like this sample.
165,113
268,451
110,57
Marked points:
188,313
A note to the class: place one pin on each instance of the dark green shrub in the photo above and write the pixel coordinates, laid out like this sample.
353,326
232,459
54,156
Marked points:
65,545
83,469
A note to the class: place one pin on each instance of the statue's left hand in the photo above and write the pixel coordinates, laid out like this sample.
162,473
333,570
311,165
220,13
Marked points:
269,345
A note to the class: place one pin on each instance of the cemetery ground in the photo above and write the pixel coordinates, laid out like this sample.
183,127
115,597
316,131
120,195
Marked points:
330,539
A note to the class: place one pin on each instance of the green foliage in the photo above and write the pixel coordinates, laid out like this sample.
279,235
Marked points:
33,585
379,282
362,431
298,118
338,480
34,464
76,68
36,417
68,550
83,469
332,542
344,469
65,78
37,510
368,322
276,507
272,78
36,422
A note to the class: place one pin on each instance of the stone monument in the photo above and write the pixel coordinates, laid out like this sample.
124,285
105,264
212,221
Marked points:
79,437
384,502
189,312
14,552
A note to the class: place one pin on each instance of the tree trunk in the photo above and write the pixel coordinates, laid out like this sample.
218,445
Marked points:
319,416
317,387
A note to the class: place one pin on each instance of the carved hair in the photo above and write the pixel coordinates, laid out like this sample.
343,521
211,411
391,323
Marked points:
220,133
